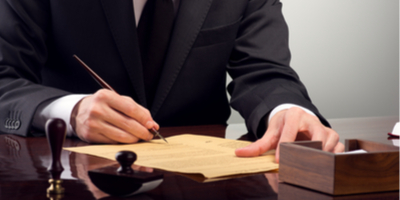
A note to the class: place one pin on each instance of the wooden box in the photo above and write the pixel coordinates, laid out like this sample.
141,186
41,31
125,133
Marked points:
304,164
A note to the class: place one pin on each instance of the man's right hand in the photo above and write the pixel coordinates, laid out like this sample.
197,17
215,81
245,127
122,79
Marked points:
107,117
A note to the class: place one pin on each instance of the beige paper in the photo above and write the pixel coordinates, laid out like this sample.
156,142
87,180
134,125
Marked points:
187,153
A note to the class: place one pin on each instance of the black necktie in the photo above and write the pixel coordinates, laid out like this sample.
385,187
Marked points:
154,30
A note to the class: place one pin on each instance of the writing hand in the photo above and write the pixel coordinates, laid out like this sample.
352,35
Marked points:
290,125
107,117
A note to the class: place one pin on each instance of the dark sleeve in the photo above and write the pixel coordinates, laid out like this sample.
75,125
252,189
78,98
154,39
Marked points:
23,53
260,67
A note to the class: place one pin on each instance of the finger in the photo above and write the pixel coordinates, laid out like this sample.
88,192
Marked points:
267,142
97,117
112,108
133,110
91,137
93,128
331,141
125,105
118,135
338,148
146,169
290,128
98,138
320,133
254,149
103,132
156,125
127,125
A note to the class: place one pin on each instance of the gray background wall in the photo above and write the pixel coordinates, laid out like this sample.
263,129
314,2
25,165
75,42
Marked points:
346,52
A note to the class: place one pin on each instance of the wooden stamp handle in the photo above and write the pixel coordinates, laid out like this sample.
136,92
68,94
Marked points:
56,132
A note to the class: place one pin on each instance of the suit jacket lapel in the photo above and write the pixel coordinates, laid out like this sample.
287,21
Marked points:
189,20
121,20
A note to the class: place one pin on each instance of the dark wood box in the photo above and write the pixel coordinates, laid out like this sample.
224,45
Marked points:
304,164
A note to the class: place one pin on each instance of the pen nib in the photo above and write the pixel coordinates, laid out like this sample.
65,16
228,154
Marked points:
156,133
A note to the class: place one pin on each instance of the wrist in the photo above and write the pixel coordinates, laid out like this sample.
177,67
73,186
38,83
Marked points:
286,106
74,113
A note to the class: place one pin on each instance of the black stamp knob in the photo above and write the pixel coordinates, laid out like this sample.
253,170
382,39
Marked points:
125,159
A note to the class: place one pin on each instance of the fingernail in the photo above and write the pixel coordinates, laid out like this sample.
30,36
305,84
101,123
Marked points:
243,148
149,124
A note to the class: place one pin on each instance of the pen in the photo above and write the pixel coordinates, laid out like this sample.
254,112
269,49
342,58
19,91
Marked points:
103,84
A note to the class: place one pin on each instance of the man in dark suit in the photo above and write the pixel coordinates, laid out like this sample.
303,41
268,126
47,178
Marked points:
39,78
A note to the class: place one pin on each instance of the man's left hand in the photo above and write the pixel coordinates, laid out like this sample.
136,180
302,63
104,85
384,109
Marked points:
290,125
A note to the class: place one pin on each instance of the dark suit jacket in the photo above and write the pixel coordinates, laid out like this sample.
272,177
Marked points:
249,39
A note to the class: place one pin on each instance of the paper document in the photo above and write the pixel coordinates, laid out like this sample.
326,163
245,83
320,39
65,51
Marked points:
187,153
352,152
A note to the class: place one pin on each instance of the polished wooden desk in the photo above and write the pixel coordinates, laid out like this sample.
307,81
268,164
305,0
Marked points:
24,162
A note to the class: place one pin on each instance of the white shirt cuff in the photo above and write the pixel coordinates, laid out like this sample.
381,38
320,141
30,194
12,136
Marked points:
59,108
287,106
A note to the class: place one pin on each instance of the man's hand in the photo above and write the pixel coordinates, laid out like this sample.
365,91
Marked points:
290,125
107,117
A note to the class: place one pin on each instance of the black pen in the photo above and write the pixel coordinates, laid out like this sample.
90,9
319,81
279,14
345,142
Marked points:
103,84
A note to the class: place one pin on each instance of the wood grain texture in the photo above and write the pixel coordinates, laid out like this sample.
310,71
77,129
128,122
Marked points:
375,171
305,166
375,146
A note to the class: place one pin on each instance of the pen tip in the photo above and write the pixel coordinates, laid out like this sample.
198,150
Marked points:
156,133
